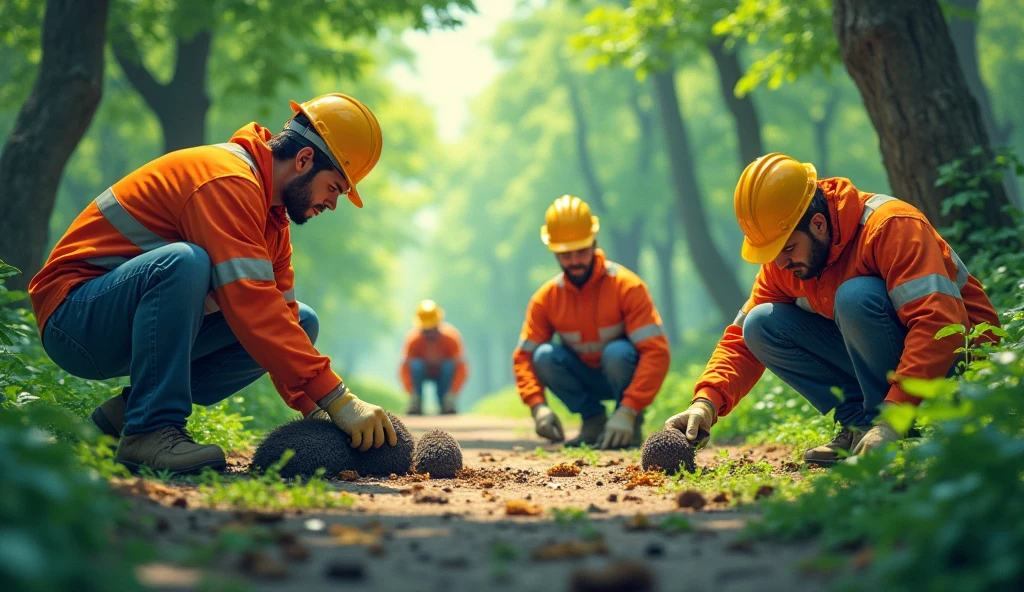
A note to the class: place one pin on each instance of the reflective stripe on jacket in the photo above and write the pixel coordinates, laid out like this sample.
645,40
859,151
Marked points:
872,235
613,304
447,346
219,198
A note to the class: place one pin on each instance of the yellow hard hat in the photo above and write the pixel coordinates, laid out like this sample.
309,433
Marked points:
569,225
771,196
344,129
428,314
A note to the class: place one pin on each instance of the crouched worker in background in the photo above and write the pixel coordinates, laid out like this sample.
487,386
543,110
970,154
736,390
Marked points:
612,346
179,276
852,286
432,352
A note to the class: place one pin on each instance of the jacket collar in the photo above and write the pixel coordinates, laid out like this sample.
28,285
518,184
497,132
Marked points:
253,137
845,208
600,270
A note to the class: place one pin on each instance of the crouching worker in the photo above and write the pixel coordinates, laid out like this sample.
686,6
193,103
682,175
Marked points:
179,277
852,286
612,345
433,352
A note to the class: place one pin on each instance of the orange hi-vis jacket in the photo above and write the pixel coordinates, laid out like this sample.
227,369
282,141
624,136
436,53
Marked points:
872,235
446,346
218,198
613,304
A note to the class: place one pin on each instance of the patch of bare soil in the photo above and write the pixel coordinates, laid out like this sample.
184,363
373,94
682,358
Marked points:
491,527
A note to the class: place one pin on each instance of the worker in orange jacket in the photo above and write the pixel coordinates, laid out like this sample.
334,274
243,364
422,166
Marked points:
179,276
852,286
612,344
432,352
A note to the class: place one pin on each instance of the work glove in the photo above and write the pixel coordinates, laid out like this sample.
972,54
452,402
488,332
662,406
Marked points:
619,429
695,422
366,423
546,423
878,436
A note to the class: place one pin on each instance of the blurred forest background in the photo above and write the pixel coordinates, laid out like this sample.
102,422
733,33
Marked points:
649,111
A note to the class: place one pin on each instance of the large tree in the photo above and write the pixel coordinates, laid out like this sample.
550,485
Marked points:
901,56
49,126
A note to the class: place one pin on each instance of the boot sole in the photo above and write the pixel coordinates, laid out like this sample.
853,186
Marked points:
217,465
101,421
822,463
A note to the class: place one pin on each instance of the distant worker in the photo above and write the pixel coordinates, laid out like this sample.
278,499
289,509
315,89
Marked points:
433,352
612,345
852,286
179,276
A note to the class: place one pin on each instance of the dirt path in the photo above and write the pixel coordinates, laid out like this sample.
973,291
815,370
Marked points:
454,534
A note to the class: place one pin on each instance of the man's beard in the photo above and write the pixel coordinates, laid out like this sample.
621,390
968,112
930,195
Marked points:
297,197
579,274
819,256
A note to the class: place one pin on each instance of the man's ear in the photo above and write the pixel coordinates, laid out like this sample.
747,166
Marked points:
304,159
819,225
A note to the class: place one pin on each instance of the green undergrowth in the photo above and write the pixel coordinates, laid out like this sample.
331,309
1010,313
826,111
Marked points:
267,491
744,481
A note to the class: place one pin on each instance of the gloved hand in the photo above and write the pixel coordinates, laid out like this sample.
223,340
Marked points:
366,423
619,429
878,436
695,422
546,423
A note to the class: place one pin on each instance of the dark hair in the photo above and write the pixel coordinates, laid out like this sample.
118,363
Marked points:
287,144
818,205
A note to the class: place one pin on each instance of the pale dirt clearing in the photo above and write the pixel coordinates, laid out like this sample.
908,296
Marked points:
455,534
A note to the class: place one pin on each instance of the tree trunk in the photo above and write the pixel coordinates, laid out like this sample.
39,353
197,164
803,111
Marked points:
712,267
821,130
665,252
49,126
964,32
181,104
744,112
901,56
625,243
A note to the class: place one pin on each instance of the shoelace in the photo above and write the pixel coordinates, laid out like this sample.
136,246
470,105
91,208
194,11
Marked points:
173,435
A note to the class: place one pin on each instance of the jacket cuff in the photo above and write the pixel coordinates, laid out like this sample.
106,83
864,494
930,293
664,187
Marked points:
532,400
712,394
633,404
321,385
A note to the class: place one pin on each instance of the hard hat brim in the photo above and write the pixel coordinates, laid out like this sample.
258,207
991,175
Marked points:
765,253
575,245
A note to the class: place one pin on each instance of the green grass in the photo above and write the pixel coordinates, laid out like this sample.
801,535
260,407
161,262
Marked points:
269,492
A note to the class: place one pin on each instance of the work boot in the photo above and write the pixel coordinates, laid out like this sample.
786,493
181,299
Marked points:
827,455
169,448
109,417
415,406
448,404
592,428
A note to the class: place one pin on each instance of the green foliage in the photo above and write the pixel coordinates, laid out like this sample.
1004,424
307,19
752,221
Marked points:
217,425
944,514
998,268
741,478
58,520
269,492
798,36
582,452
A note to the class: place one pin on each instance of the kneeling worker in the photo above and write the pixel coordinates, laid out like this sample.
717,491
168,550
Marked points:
852,286
612,346
433,352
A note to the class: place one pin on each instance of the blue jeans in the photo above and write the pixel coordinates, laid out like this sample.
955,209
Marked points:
813,354
581,387
418,370
145,320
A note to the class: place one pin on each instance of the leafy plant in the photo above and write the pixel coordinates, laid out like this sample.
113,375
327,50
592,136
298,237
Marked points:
269,492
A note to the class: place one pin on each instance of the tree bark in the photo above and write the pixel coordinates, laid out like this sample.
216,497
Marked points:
964,32
626,243
743,110
49,126
181,105
901,56
712,267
